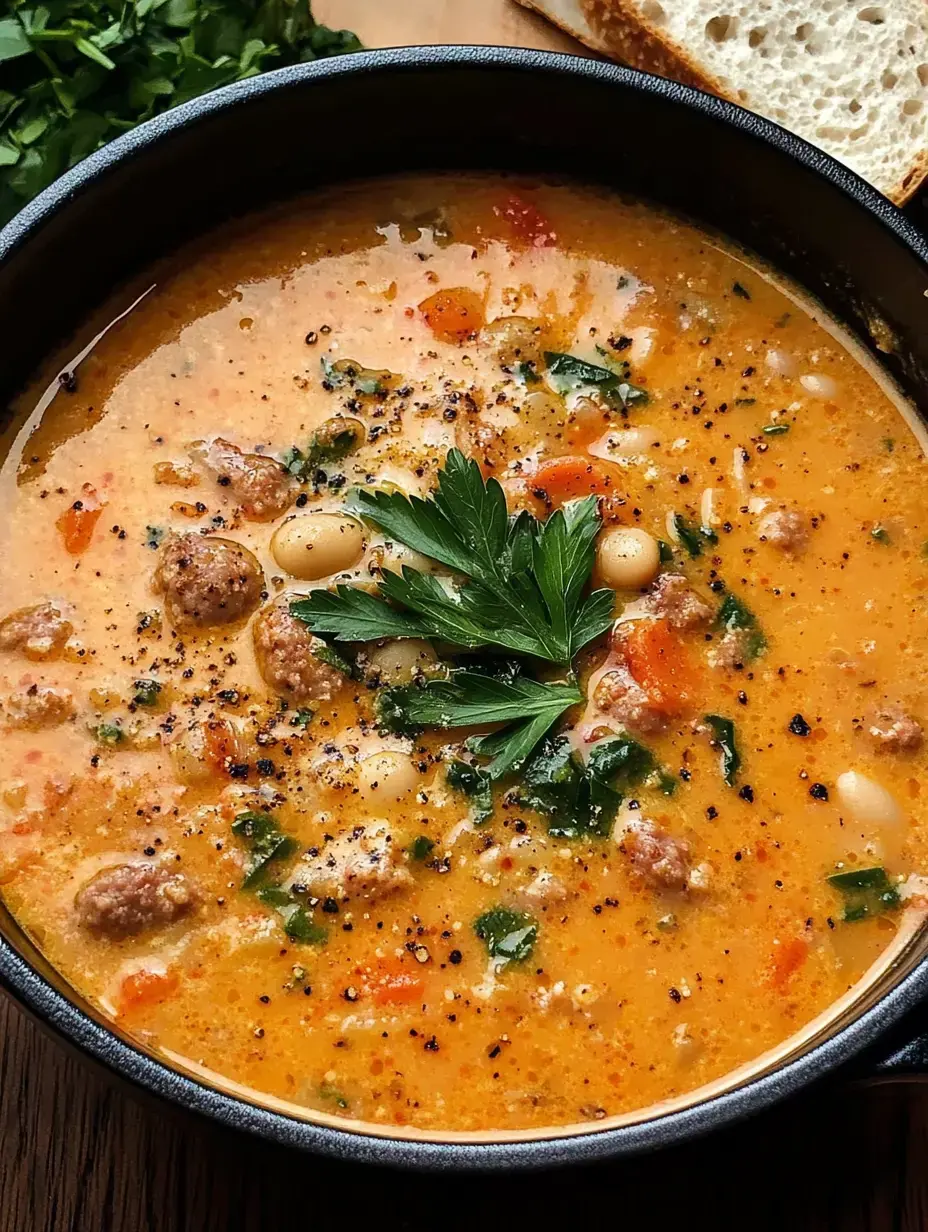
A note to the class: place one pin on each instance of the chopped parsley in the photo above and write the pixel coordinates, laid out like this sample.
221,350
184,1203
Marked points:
265,842
476,784
509,935
724,739
734,615
866,891
568,374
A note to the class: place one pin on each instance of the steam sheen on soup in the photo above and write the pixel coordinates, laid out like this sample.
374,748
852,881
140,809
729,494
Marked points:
462,659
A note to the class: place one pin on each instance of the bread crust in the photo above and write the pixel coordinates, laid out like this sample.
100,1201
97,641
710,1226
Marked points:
615,28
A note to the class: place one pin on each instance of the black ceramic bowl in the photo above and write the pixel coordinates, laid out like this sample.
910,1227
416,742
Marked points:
392,111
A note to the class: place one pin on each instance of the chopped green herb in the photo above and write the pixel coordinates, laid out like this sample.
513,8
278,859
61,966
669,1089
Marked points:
570,375
266,844
709,534
110,734
777,429
80,72
867,892
666,552
362,380
154,536
300,926
881,535
301,718
146,692
526,578
740,291
329,655
576,802
622,763
525,371
421,847
735,615
333,1095
507,934
474,783
274,896
723,736
889,444
745,401
332,441
689,535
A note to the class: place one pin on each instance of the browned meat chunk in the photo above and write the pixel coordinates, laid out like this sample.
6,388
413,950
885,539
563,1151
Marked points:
784,528
661,861
891,730
258,484
361,864
672,598
619,696
284,648
731,650
40,632
129,899
207,581
38,706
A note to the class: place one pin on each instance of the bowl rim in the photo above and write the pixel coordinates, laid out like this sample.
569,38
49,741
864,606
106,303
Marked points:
147,1072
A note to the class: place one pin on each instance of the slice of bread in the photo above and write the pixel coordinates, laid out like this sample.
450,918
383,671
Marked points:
851,78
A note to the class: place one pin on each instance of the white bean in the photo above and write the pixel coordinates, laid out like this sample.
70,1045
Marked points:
315,545
388,776
400,661
866,800
627,557
819,385
781,362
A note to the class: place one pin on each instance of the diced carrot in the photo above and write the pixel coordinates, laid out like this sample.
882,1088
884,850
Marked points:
788,957
658,661
453,315
570,478
397,985
526,222
77,523
143,988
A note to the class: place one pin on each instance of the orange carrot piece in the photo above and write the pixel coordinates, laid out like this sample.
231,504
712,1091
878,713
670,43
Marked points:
658,661
570,478
77,523
397,986
143,988
453,315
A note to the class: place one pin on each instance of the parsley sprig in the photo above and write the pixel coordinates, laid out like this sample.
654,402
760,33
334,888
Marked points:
524,578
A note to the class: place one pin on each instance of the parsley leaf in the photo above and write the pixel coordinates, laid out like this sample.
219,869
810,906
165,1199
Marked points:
507,934
577,803
266,843
525,579
723,737
571,375
468,699
867,892
77,73
475,783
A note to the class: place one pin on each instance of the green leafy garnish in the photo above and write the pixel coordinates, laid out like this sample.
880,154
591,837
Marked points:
476,784
723,736
266,844
867,892
623,762
350,372
109,734
526,578
302,718
77,73
570,375
421,847
329,655
691,536
666,552
146,692
299,925
154,536
735,615
777,429
510,935
577,803
528,707
332,1093
524,370
331,442
881,535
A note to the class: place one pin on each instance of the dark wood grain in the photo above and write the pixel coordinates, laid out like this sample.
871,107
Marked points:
79,1155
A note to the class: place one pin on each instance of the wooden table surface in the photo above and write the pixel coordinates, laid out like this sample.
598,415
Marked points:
78,1154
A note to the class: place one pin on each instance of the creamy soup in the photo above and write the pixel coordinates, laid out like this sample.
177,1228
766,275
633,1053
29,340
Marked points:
462,660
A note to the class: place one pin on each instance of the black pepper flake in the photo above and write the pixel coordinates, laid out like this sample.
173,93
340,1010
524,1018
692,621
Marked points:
455,957
747,793
351,994
265,766
712,812
239,770
330,906
818,791
798,726
676,995
431,1045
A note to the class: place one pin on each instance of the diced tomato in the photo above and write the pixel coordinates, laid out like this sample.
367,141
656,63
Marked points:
453,315
77,523
788,957
220,743
570,478
658,661
396,985
144,988
526,222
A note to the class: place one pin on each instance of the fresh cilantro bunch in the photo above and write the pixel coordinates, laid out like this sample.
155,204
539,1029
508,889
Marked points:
74,74
523,591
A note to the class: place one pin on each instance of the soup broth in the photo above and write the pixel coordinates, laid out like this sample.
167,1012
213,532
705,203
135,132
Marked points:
248,840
